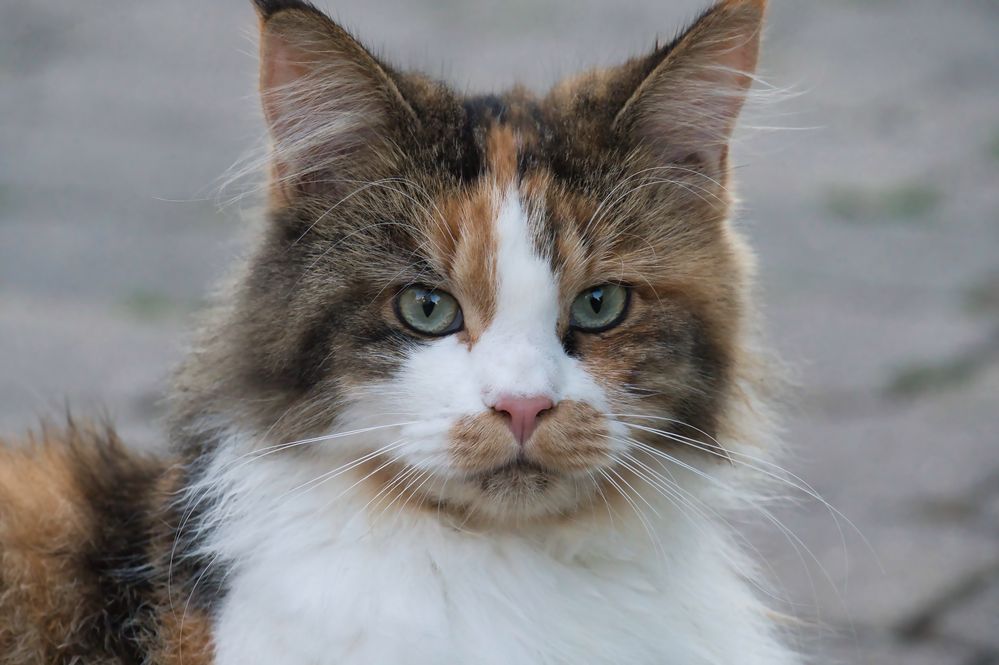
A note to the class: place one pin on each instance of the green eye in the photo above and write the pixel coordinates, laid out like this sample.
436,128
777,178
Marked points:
429,312
599,308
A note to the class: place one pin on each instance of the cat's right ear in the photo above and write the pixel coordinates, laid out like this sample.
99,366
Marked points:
330,105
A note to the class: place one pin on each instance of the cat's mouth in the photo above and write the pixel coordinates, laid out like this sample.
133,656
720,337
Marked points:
520,472
519,489
517,469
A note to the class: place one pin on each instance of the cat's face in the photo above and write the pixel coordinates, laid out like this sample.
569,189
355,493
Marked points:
498,296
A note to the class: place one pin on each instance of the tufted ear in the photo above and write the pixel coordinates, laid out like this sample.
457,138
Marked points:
330,105
685,107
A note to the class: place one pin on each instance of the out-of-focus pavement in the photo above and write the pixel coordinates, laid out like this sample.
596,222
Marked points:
876,217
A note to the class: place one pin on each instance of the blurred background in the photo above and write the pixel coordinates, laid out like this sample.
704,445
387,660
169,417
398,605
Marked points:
875,210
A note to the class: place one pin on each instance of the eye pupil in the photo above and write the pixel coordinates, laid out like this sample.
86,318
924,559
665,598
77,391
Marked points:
596,300
428,303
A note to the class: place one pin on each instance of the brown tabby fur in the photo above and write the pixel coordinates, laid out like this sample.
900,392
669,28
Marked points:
76,512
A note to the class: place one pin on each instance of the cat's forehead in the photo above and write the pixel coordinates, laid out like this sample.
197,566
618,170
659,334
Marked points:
564,132
503,149
501,131
483,217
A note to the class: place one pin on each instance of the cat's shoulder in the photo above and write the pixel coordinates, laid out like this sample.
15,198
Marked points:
78,510
54,479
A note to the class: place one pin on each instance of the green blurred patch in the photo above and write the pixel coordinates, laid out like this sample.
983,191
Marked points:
994,144
983,298
947,509
904,201
933,377
146,305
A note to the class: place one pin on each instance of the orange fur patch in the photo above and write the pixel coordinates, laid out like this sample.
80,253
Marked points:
481,442
470,243
43,522
51,607
572,436
501,155
185,639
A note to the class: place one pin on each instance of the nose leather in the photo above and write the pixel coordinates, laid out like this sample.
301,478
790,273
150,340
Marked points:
523,413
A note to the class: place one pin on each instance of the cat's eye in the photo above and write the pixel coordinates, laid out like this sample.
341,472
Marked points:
429,312
599,308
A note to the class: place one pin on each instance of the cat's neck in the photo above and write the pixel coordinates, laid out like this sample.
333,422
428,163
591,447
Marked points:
319,573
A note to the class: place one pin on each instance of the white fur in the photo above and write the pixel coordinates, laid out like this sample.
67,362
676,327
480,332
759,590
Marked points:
520,352
323,574
317,580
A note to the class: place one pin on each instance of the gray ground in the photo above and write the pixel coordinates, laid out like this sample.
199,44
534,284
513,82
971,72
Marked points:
876,222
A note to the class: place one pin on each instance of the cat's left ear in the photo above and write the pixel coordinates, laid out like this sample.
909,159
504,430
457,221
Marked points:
686,106
331,106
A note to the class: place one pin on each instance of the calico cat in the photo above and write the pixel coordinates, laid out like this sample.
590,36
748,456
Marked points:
480,394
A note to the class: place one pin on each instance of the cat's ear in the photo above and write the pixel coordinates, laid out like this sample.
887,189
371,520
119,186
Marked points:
330,105
685,107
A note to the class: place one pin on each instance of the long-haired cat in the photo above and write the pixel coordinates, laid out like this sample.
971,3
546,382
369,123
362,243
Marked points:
479,395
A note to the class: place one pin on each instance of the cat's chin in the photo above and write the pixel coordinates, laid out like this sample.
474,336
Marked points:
515,492
519,478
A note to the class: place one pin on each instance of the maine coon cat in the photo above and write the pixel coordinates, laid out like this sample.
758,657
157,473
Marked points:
482,392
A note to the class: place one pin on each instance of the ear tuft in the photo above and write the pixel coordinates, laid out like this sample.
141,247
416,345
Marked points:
686,107
331,106
267,8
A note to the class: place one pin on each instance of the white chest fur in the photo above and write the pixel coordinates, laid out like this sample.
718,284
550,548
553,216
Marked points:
314,581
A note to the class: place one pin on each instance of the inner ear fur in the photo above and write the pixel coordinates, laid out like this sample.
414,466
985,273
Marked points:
330,105
685,107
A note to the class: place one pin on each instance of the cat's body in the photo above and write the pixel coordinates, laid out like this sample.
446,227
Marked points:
482,394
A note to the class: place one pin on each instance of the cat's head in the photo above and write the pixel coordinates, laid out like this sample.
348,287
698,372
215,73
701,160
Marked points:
500,305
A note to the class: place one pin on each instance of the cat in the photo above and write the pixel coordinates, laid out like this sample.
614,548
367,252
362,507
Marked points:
481,393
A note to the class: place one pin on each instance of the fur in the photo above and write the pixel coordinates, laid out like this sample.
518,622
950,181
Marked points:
344,488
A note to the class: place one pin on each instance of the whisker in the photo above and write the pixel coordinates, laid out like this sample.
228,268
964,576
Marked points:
360,480
796,483
638,511
792,537
329,475
412,491
397,480
672,491
269,450
600,491
190,597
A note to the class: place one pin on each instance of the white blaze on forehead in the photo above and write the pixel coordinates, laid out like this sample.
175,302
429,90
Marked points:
528,293
520,352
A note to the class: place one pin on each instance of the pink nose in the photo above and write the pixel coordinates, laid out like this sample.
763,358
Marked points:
523,412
